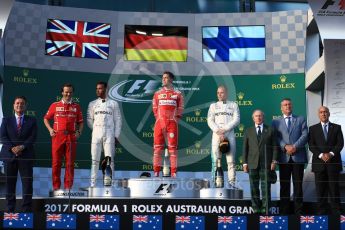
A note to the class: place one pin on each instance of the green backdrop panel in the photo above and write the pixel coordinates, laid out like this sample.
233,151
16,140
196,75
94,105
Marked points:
134,93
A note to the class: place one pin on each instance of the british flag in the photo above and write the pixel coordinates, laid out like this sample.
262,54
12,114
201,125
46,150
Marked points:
224,219
77,39
182,219
53,217
307,219
267,219
140,218
11,216
97,218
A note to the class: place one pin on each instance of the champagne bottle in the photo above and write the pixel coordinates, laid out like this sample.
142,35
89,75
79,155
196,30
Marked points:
107,179
219,175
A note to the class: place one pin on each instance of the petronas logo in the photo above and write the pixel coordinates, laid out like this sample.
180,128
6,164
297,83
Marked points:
283,78
240,95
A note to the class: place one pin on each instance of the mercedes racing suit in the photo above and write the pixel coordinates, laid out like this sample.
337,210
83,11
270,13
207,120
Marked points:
66,118
226,116
104,118
167,105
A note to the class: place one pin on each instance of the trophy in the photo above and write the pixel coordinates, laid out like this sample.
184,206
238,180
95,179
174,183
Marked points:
166,169
107,171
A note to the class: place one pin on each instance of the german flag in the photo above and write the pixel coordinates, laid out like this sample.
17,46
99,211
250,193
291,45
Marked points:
156,43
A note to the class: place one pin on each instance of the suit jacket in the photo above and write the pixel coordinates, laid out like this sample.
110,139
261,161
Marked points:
318,145
9,137
254,150
298,136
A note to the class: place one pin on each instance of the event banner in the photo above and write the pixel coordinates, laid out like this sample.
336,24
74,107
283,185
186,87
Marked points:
134,94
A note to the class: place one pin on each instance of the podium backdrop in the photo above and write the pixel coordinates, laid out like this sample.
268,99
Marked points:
34,68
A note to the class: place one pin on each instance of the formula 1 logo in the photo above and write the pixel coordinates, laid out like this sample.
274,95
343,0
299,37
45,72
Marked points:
331,2
134,91
164,189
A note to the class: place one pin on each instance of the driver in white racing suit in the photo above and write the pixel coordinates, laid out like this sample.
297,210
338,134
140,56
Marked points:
223,116
104,118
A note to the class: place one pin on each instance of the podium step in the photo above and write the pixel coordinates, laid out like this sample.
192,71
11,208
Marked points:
160,188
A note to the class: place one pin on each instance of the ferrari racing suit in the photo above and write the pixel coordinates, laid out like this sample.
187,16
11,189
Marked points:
66,118
104,118
167,105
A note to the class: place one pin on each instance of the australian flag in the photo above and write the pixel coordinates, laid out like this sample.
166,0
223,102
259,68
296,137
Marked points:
234,43
18,220
232,222
342,222
77,39
104,221
190,222
147,222
273,222
61,221
313,222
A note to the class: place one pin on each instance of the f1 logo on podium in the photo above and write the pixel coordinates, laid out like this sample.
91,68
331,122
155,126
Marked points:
164,189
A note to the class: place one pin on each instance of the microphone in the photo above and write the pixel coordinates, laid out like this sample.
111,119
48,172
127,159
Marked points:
103,100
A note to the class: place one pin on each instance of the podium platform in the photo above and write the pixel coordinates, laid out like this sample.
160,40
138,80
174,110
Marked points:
157,188
166,187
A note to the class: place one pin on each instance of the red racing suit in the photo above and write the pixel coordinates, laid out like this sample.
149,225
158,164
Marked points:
66,117
167,105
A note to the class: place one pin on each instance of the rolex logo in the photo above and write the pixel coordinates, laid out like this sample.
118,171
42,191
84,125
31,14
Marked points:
283,78
283,84
241,127
240,95
197,144
197,112
25,72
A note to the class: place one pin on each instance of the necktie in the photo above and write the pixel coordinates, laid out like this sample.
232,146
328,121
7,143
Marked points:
259,133
289,123
19,124
325,131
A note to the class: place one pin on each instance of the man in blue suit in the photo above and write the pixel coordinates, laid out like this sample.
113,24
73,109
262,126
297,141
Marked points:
17,134
292,136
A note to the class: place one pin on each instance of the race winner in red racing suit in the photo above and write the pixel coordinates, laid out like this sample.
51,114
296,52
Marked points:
167,107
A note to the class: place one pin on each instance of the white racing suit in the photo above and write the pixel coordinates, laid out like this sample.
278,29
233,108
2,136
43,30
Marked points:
226,116
104,118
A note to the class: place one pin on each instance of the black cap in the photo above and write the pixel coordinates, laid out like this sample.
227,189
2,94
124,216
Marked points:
224,146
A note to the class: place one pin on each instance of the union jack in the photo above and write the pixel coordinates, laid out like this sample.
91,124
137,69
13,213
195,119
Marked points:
342,219
140,219
307,219
11,216
97,218
224,219
54,217
267,219
182,219
77,39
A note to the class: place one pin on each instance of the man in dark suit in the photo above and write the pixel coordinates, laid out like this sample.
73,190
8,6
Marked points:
292,136
325,142
18,134
259,157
